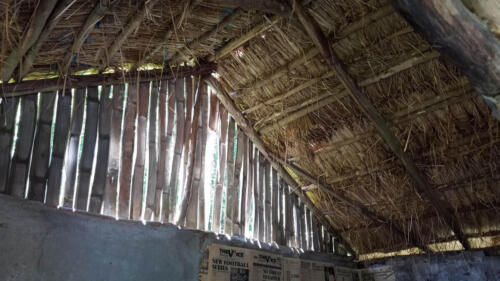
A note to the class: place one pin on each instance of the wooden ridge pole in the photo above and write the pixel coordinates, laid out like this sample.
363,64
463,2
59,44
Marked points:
319,39
245,126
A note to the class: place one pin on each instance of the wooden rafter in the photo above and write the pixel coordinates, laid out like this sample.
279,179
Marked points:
245,126
421,184
462,37
268,6
93,18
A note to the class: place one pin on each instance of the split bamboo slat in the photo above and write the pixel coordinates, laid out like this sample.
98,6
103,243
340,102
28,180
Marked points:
127,152
152,151
250,186
192,158
281,202
20,162
8,110
303,239
180,108
164,174
267,200
296,221
214,110
260,209
140,158
89,142
217,209
98,186
41,148
63,120
289,231
228,221
188,121
275,202
110,202
237,191
315,234
71,161
256,193
204,138
161,173
309,230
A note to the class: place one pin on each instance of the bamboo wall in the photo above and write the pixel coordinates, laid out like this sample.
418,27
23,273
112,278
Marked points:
163,151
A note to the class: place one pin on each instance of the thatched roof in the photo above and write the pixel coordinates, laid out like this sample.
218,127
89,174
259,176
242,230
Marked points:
286,89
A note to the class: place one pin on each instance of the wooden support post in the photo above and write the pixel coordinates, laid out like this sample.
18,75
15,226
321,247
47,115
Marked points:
87,158
180,108
228,221
110,200
71,162
217,208
37,22
21,160
466,41
8,110
240,152
99,184
319,39
63,121
41,148
275,202
140,155
267,200
243,143
260,198
128,142
152,151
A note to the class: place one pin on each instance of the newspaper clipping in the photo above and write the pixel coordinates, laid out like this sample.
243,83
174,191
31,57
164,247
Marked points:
291,269
316,271
266,266
229,263
383,273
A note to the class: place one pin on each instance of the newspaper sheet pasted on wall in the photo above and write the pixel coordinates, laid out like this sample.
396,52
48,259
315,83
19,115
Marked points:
266,266
291,269
346,274
203,273
316,271
227,263
383,273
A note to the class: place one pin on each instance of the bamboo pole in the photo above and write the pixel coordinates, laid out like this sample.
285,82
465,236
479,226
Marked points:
204,135
243,146
267,200
21,160
289,231
281,203
63,117
87,158
163,138
214,111
165,173
250,185
275,202
99,184
187,126
153,151
217,209
309,230
128,140
315,235
71,162
260,198
296,221
178,148
8,110
256,190
236,184
228,221
140,154
41,148
110,200
302,213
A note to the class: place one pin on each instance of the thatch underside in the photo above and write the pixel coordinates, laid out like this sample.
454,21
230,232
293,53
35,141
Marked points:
304,115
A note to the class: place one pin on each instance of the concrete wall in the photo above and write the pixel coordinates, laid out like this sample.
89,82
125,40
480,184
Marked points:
464,266
42,243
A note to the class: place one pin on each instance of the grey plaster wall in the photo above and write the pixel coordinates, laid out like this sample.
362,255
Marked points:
42,243
464,266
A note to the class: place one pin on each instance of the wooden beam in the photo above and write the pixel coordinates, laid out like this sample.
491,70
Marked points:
99,11
461,36
267,6
319,39
245,126
132,25
27,62
30,36
82,81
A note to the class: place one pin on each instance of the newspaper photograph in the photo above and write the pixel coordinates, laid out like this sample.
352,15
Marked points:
291,269
266,266
229,263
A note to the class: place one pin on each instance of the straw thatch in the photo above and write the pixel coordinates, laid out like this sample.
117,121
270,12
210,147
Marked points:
302,111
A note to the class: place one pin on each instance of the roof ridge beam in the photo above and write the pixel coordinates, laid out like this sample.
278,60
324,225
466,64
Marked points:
421,184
